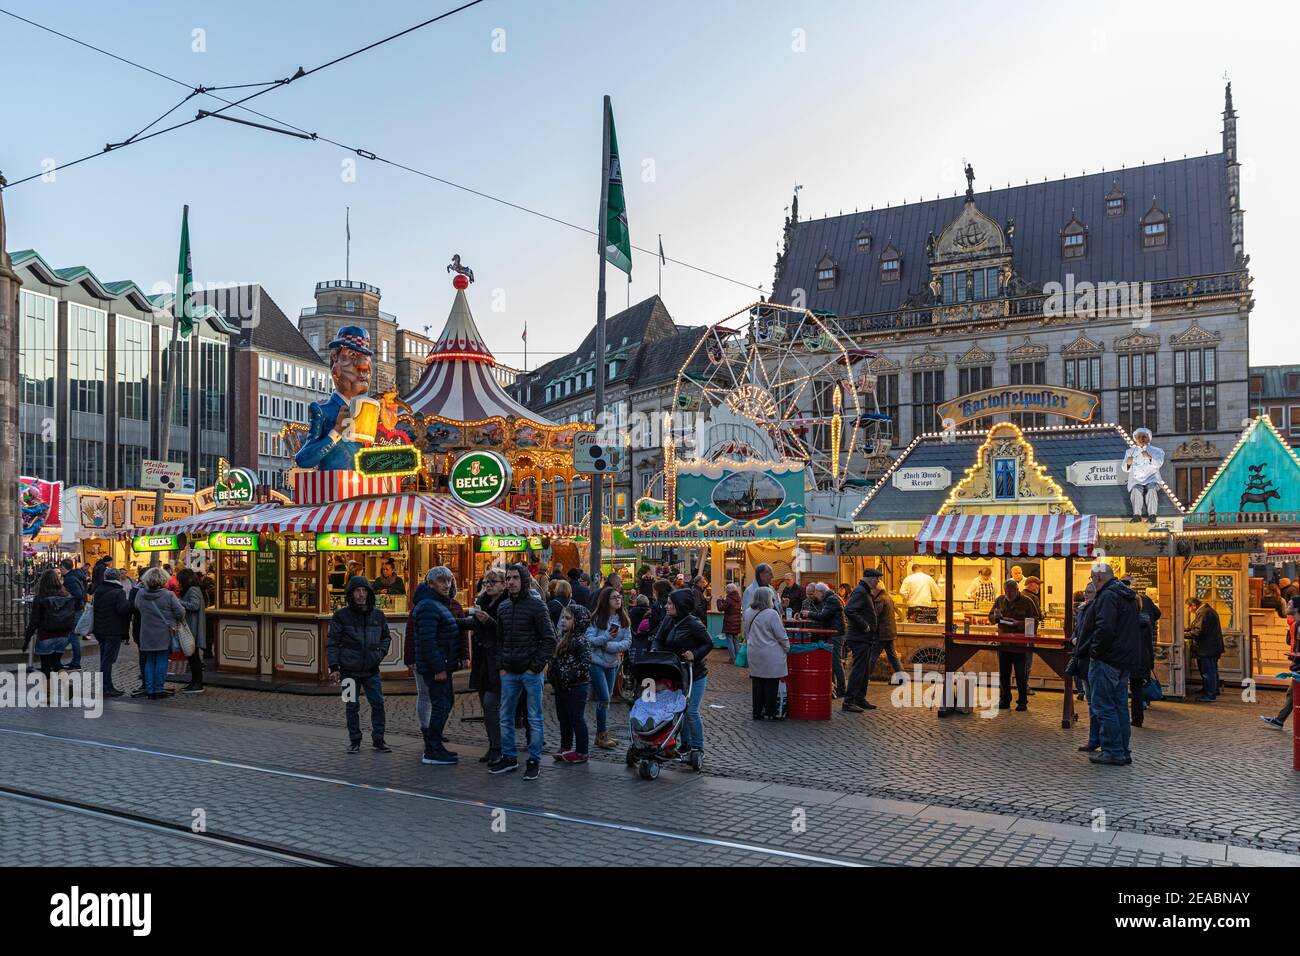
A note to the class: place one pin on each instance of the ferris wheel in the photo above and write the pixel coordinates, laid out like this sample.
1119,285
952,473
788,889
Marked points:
776,382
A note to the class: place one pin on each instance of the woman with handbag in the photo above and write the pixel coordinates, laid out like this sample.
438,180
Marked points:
194,602
161,617
54,614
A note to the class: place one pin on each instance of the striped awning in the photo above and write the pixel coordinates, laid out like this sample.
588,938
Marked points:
202,522
1025,536
413,513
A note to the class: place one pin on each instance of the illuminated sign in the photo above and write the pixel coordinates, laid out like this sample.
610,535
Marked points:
155,542
232,541
491,543
333,541
388,461
1042,399
237,487
478,478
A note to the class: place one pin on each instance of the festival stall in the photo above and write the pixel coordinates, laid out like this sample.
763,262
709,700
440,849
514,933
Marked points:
386,488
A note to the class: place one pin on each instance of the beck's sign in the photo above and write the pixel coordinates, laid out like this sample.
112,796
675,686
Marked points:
478,478
1041,399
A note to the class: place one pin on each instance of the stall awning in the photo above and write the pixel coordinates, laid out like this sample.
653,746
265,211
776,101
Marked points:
421,514
1026,536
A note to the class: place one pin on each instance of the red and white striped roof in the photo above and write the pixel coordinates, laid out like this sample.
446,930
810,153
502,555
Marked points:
411,513
1025,536
458,384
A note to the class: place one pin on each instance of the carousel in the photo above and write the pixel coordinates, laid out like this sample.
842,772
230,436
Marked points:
454,474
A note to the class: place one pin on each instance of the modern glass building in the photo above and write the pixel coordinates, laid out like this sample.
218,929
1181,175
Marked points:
92,377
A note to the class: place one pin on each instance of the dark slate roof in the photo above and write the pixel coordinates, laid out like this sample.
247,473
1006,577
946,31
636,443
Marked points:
1192,192
661,360
1056,449
274,331
1275,381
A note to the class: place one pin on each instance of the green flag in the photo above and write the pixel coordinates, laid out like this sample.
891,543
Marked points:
183,305
618,241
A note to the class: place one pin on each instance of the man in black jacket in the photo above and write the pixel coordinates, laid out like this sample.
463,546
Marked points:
1114,645
1206,631
1148,617
824,609
581,593
863,627
112,624
1010,612
525,643
75,583
358,641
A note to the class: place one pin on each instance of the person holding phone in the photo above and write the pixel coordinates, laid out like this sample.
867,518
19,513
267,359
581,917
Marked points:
609,635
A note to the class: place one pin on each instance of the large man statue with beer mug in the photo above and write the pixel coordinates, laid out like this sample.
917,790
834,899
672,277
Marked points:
345,422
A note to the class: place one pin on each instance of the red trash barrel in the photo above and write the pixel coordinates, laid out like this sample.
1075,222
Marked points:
809,685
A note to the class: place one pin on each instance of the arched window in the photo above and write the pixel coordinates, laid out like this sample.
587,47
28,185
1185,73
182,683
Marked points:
1155,227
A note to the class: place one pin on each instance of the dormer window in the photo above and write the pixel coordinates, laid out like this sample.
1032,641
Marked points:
1115,201
1155,228
827,273
1074,239
862,241
891,264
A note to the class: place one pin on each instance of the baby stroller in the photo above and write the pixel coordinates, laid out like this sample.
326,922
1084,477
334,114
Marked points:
655,725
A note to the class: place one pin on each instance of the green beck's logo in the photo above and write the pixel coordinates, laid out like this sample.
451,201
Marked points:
237,487
478,478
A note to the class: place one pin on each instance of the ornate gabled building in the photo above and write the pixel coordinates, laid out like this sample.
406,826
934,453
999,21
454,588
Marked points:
1132,284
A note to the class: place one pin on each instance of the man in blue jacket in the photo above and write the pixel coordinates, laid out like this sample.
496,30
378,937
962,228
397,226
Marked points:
74,580
1114,645
437,651
330,445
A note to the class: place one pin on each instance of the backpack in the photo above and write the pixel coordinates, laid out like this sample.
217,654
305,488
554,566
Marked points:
60,616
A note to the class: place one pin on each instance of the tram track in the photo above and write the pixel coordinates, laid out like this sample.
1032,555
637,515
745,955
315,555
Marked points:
568,819
168,827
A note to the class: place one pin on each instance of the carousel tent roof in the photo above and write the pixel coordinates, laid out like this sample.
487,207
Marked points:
411,513
458,384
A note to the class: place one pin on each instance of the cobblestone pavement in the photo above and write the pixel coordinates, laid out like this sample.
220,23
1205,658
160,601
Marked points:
292,787
1203,772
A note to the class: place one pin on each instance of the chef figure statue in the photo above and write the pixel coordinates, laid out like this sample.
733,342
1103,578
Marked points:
1142,464
332,442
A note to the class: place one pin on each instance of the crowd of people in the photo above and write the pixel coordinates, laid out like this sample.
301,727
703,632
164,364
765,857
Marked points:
521,631
158,609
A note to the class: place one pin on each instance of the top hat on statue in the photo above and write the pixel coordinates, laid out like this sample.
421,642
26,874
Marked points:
353,337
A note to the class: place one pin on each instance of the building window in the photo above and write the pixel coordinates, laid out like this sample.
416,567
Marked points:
263,405
862,242
1029,373
1137,391
1004,479
1294,429
1155,228
1085,375
130,458
927,394
133,358
87,347
1115,200
826,273
181,457
1190,481
1074,247
975,379
212,383
891,269
38,457
887,400
86,462
36,354
181,357
1195,393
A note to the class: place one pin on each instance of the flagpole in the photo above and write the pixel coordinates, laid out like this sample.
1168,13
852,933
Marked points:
347,256
661,265
597,491
169,366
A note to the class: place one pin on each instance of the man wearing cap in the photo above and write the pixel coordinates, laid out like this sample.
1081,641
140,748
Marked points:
861,613
330,444
1142,465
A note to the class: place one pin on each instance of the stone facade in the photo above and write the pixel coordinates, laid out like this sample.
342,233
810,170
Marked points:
341,302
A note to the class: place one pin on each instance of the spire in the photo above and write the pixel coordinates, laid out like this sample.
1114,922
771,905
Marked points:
460,337
1233,175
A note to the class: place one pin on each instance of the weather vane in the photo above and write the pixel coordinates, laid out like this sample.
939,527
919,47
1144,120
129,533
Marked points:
456,267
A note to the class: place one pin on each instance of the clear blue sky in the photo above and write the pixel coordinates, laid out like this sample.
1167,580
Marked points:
881,106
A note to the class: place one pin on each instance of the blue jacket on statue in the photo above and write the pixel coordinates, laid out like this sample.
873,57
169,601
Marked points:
321,449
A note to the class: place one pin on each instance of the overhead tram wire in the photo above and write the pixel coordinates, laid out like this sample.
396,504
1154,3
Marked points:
358,151
299,74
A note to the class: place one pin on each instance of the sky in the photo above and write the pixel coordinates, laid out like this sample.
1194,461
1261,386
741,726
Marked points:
721,106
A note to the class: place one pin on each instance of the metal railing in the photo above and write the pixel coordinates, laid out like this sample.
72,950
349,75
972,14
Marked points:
341,312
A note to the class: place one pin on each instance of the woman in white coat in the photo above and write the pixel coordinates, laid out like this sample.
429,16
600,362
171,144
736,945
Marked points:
767,647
